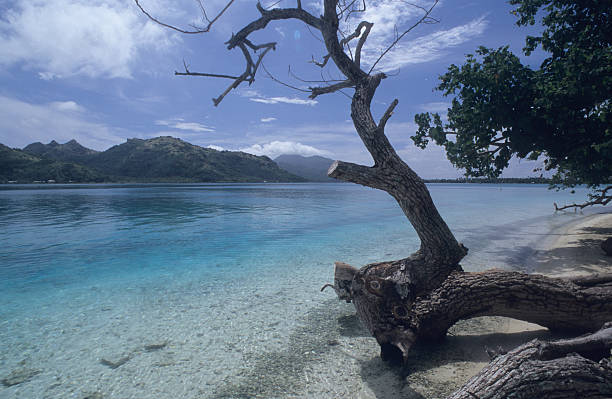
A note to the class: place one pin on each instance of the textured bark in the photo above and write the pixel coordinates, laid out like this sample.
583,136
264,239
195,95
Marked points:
566,369
421,296
398,314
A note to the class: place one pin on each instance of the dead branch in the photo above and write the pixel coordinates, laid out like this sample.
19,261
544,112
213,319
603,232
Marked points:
361,42
281,82
387,114
346,40
320,64
400,37
212,75
317,91
564,369
189,32
603,198
250,71
322,80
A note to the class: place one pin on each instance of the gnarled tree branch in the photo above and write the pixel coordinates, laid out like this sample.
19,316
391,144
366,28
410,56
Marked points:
317,91
564,369
189,32
602,198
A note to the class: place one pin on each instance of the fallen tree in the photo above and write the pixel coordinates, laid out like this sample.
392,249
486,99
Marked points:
399,310
421,296
565,369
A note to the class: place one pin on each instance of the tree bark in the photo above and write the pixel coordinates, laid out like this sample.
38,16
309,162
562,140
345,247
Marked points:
421,296
565,369
397,321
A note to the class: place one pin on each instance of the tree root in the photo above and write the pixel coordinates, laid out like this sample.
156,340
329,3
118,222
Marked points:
564,369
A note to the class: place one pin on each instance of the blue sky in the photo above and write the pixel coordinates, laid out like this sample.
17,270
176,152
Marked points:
100,72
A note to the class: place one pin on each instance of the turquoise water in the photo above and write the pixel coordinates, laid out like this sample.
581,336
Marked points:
220,274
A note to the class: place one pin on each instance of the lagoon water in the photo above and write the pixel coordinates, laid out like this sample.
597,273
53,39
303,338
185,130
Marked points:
212,290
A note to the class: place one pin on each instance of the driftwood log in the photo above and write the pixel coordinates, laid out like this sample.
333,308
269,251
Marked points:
565,369
399,313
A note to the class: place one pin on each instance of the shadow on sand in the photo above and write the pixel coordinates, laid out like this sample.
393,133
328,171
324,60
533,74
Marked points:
438,369
579,253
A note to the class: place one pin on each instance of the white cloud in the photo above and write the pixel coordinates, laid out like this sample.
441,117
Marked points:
248,93
430,47
437,106
181,125
63,38
257,97
276,148
267,120
387,16
22,123
284,100
67,106
215,147
392,17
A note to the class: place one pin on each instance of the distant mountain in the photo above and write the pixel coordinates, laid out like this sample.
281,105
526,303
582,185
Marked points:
313,168
161,159
22,167
171,159
71,151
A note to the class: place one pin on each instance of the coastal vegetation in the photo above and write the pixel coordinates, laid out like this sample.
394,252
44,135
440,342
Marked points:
418,298
18,166
560,112
161,159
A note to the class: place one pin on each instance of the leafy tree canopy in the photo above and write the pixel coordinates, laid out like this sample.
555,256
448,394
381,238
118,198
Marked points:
561,111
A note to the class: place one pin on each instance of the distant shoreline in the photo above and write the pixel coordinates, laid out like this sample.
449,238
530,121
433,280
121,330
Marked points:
526,180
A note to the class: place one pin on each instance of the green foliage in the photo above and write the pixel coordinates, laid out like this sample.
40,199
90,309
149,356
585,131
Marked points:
16,165
171,159
161,159
561,111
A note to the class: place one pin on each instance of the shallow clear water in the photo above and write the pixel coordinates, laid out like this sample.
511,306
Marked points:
222,275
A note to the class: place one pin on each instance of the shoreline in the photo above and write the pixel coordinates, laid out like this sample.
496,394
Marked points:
574,248
437,370
202,335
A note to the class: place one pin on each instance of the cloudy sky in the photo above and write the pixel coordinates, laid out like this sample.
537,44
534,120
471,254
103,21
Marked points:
99,71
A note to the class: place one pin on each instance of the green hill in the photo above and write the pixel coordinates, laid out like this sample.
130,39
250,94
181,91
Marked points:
71,151
19,166
161,159
171,159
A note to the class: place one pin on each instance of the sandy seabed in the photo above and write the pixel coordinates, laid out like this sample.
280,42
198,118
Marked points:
261,344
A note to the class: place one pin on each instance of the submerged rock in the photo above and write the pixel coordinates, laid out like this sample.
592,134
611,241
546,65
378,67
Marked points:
18,376
113,364
156,346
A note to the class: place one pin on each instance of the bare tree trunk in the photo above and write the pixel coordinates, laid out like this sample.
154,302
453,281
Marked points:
421,296
398,322
565,369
